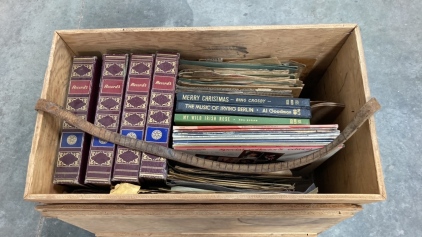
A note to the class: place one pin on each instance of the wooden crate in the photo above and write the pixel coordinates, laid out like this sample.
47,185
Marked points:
352,176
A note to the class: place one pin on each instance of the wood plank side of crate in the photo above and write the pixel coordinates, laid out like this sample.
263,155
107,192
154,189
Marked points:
319,42
45,140
205,198
202,219
203,235
357,167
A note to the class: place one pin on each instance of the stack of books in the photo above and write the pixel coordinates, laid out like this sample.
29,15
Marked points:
129,94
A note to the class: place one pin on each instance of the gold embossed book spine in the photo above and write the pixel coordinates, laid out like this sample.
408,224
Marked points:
108,112
81,100
160,114
135,107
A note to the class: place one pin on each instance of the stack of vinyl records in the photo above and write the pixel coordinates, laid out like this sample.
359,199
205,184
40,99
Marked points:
260,75
253,144
243,112
191,179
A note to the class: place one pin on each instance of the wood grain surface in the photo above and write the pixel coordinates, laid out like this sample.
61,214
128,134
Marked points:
113,234
43,152
202,219
186,198
357,167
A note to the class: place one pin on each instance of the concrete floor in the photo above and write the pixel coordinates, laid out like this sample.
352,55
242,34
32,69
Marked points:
391,32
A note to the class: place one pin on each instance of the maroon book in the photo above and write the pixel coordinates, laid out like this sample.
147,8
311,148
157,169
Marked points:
81,100
127,162
108,112
160,114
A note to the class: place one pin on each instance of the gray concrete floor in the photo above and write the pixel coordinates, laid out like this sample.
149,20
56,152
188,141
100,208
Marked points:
392,36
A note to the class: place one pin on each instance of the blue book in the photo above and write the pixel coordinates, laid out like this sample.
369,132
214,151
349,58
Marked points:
231,109
252,100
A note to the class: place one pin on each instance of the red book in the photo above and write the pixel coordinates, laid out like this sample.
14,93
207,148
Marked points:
160,114
81,99
101,154
127,162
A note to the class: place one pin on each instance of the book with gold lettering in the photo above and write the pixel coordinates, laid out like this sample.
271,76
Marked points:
216,119
108,112
160,114
74,144
252,100
135,107
236,109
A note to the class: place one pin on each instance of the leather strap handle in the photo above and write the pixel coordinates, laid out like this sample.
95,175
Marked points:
361,116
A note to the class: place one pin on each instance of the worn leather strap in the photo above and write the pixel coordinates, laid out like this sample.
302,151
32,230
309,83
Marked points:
361,116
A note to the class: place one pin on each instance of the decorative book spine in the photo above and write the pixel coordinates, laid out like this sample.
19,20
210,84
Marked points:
135,107
214,119
101,155
241,99
160,113
81,99
232,109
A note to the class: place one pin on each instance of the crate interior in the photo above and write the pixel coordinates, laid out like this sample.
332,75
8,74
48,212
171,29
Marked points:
336,76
